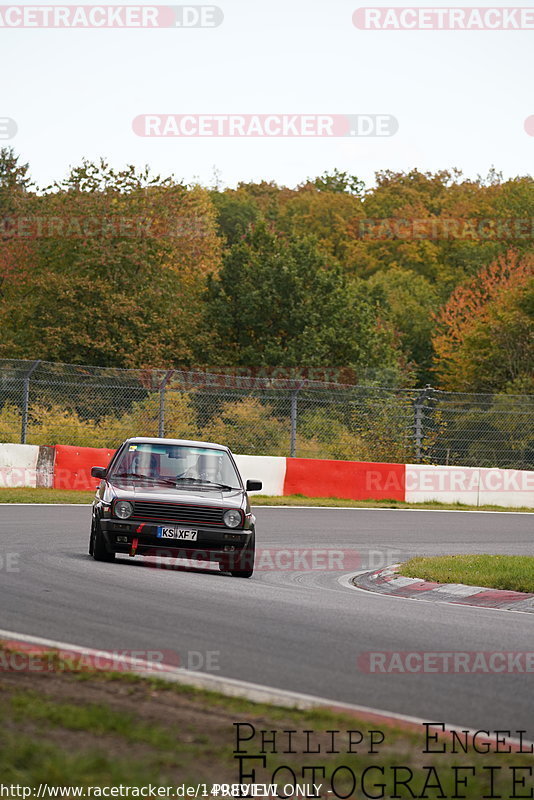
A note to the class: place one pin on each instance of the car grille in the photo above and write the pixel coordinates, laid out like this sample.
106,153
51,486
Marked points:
173,512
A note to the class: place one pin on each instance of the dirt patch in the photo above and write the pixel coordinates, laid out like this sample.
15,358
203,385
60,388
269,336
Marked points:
96,729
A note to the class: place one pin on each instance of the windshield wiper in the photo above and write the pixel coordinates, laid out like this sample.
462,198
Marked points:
166,481
223,486
205,482
174,481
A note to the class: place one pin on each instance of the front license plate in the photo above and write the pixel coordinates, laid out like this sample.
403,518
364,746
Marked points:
177,533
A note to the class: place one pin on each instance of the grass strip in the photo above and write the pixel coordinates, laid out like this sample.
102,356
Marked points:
515,573
87,728
28,495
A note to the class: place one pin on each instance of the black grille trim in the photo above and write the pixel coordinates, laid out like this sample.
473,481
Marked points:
175,512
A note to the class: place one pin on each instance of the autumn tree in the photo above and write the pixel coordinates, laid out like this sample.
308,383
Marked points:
337,182
235,214
483,340
121,260
112,266
410,302
16,252
327,215
278,302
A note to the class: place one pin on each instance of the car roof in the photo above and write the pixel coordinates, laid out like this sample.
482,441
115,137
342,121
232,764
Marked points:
185,442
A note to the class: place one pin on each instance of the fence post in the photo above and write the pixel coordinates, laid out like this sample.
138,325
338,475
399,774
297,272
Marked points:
161,422
26,400
419,433
294,412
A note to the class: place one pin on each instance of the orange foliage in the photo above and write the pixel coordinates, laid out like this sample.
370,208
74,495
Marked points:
471,302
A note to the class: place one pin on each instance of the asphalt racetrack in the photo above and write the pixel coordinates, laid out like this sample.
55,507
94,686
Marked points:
296,628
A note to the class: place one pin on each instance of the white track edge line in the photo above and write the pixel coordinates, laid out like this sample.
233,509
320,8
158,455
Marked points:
426,510
232,687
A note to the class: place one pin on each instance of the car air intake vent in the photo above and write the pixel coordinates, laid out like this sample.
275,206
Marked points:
174,512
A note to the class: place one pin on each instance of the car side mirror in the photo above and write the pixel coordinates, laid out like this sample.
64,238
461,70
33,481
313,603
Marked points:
98,472
254,486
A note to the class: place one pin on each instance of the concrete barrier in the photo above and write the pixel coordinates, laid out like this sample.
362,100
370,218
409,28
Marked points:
72,469
506,487
353,480
426,483
45,467
271,470
69,467
18,465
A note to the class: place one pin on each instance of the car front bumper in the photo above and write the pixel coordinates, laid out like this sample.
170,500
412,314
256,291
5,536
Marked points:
134,537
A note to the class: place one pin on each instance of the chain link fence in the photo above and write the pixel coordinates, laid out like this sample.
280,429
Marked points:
49,403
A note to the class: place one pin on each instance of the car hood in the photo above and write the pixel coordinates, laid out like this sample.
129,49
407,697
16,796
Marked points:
125,490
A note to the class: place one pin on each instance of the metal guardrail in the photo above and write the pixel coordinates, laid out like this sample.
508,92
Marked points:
51,403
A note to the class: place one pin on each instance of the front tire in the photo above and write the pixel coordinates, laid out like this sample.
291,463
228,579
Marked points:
97,545
243,567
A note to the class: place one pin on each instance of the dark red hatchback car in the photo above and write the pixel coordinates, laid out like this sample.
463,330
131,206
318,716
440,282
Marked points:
174,497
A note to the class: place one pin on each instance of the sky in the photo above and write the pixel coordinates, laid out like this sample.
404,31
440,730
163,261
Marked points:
460,97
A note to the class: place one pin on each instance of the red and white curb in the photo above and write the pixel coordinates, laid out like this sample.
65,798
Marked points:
388,581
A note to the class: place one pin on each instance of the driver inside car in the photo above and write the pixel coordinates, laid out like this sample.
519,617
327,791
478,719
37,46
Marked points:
206,468
145,465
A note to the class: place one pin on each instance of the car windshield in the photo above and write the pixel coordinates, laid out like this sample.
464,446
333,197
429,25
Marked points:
176,465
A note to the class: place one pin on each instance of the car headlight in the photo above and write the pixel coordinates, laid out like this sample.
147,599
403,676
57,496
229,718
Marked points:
232,519
123,509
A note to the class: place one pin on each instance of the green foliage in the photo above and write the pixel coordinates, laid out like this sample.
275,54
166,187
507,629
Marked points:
277,302
411,301
338,181
374,430
484,339
10,423
496,431
500,347
248,426
143,419
327,215
235,214
49,425
120,267
54,424
14,179
321,436
111,271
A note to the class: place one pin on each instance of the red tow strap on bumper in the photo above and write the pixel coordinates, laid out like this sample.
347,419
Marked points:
135,541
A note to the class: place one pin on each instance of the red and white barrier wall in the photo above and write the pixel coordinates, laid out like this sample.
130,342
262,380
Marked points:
469,485
26,465
69,467
18,465
72,468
